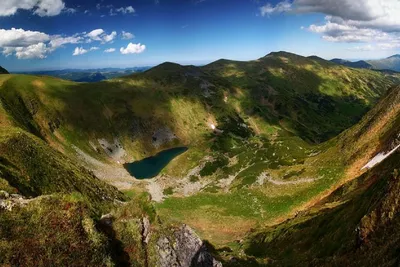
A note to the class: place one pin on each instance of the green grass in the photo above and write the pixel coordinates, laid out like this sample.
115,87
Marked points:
55,230
33,168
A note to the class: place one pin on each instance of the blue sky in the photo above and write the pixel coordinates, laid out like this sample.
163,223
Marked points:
187,32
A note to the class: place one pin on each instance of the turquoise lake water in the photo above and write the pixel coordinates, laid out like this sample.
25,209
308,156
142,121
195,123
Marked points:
152,166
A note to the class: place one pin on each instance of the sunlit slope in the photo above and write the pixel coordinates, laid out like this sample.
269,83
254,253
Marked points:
377,132
356,224
285,176
311,97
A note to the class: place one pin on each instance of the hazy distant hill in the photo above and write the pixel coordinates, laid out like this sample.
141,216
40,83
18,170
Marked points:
390,63
361,64
89,75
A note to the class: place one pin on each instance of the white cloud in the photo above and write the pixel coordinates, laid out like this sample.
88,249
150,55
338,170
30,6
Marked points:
109,50
279,8
21,38
58,41
70,10
126,10
79,51
34,44
95,34
133,49
127,35
100,35
109,38
33,51
39,7
29,52
367,21
377,47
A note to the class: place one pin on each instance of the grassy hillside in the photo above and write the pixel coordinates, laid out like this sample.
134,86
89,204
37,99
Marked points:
30,167
313,98
356,223
269,158
356,226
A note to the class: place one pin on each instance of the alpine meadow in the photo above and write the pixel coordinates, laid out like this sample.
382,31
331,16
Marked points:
199,133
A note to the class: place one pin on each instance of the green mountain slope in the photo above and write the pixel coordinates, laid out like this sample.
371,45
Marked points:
356,225
264,162
32,168
313,98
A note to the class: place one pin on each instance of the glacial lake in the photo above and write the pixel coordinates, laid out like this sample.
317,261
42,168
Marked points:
152,166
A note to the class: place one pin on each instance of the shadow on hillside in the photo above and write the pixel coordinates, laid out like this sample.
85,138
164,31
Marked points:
293,101
140,104
334,233
119,256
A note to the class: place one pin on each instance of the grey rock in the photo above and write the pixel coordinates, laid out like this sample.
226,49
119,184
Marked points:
186,250
4,194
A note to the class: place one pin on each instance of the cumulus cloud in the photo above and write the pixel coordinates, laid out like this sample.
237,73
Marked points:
39,7
268,9
32,51
100,35
133,49
109,50
109,38
22,38
126,10
95,34
367,21
58,40
35,44
79,51
127,35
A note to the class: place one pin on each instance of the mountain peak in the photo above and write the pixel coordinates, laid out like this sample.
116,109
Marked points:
282,54
395,56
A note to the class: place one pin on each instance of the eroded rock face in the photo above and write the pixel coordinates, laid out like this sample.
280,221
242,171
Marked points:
186,249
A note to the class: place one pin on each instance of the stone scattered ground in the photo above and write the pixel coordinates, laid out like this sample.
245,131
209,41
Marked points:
114,174
113,150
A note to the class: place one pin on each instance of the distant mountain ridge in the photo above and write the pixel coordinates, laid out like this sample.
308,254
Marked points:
389,63
361,64
89,75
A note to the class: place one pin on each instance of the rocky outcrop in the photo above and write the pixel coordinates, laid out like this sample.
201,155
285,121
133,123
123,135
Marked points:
184,248
162,136
9,201
114,150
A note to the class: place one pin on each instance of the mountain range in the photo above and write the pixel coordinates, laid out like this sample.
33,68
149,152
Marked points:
274,174
390,63
88,75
